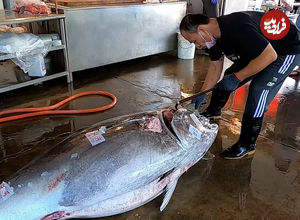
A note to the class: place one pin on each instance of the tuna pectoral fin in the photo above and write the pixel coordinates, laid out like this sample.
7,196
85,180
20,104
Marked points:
169,192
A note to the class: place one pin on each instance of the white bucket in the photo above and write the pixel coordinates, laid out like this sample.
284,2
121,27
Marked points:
186,50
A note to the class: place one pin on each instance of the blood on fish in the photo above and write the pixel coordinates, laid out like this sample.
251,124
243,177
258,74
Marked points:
183,170
55,215
153,124
56,181
5,191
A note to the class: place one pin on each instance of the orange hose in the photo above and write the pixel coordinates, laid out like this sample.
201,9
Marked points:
50,110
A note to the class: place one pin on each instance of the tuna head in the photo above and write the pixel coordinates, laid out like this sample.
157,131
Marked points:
195,133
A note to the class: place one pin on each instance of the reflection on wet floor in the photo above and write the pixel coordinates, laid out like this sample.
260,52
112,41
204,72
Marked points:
266,186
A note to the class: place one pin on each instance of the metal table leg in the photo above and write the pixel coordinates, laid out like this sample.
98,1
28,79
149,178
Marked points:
63,39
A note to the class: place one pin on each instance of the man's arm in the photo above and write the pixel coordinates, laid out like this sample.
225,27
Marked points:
213,74
268,56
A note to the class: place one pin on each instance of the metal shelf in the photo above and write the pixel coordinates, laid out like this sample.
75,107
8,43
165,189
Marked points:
11,17
11,56
33,81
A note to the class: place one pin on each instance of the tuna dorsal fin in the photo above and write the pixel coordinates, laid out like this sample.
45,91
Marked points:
169,192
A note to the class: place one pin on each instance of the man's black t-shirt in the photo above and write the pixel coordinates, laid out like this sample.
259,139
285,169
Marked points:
241,38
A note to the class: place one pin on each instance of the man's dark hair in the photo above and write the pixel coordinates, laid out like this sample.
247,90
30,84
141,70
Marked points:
190,22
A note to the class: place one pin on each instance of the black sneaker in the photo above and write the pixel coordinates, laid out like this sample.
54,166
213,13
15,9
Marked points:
236,151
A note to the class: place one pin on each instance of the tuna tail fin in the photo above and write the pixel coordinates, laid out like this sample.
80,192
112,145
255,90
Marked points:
169,192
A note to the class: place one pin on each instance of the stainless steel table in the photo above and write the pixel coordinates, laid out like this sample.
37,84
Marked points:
103,35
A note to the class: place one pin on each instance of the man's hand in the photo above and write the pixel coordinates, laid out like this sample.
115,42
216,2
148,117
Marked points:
229,82
199,101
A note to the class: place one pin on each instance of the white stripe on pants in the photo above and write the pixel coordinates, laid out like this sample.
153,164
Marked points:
286,64
261,104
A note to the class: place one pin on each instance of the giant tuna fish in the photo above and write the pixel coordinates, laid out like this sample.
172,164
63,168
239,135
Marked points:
110,168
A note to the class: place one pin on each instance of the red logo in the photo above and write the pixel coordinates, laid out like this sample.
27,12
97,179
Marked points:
275,25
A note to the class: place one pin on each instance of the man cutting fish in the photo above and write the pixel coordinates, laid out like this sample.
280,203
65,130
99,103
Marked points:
266,62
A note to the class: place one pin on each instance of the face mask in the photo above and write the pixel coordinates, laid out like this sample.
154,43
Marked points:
211,43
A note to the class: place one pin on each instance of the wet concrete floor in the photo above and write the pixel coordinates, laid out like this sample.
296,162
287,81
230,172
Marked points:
265,186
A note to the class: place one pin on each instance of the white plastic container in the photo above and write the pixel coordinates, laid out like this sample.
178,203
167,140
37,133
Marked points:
186,50
258,5
38,69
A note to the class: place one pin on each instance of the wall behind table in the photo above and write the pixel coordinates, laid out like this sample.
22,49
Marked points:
230,7
236,5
